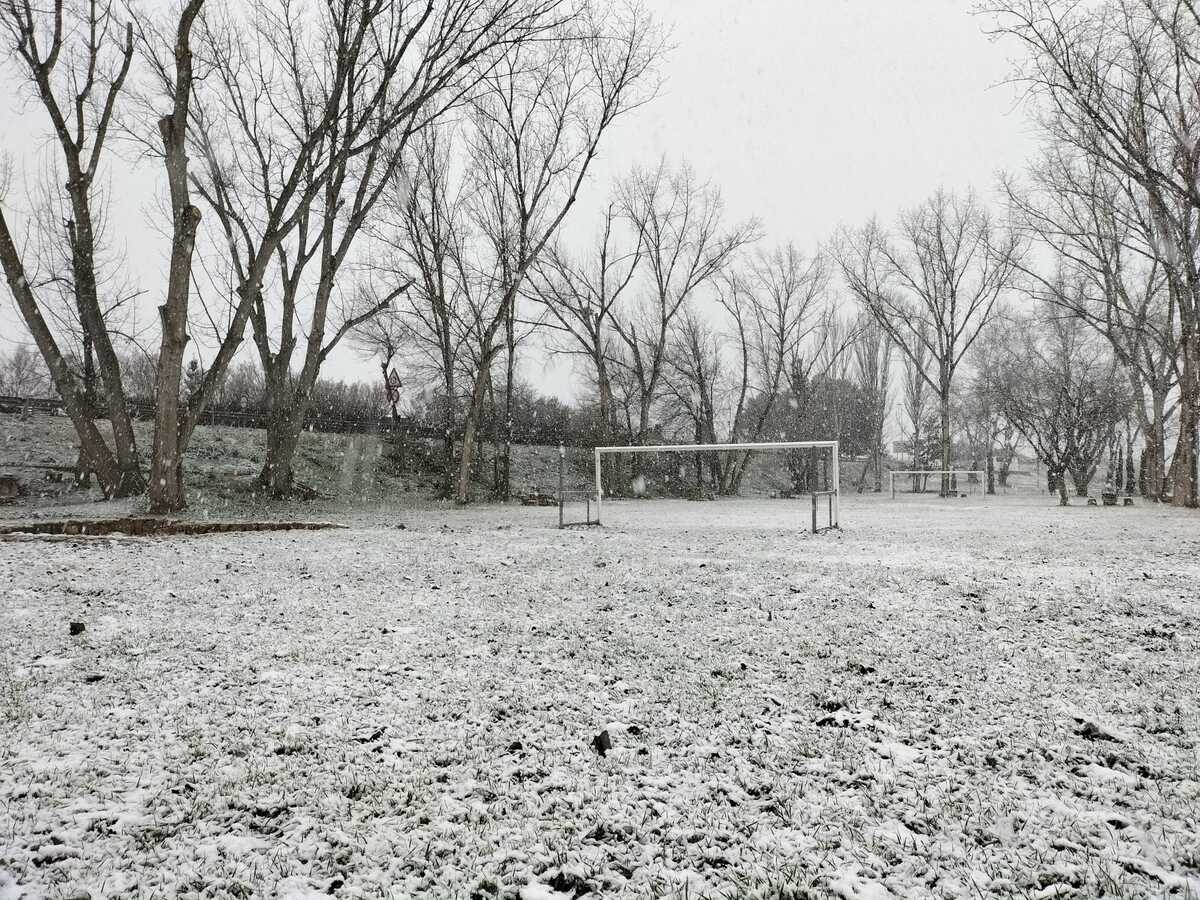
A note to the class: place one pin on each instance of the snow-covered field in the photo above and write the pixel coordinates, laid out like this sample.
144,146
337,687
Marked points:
975,699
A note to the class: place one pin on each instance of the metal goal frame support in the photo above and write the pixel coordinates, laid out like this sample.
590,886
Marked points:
953,473
835,494
563,494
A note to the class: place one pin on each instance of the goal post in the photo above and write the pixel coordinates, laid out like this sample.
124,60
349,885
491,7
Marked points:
573,496
925,474
833,494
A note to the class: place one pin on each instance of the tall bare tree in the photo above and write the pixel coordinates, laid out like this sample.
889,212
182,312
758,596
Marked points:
685,246
581,296
915,401
1120,82
872,358
420,231
775,306
1098,225
76,58
537,127
695,379
170,434
934,286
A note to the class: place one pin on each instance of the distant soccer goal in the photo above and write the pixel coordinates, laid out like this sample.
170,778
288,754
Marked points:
803,470
930,481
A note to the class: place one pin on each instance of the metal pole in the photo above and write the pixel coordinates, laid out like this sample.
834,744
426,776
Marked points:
837,481
599,486
814,513
562,458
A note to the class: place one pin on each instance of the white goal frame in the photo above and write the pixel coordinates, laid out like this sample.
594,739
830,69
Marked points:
932,472
834,475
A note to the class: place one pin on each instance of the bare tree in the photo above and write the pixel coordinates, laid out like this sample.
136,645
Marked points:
774,306
170,434
1064,391
383,339
23,373
872,356
935,286
1120,82
1098,226
685,246
537,127
993,434
420,230
304,133
916,405
582,296
695,378
76,58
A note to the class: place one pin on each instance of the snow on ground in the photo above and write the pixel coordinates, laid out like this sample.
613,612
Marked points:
977,699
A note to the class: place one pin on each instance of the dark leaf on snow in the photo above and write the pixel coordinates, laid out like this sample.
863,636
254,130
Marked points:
602,743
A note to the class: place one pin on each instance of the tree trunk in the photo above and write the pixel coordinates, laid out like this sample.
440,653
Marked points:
167,493
1058,479
1081,476
608,464
83,249
114,480
170,437
1151,475
462,490
510,344
448,428
282,439
1183,465
991,466
1130,472
286,411
877,454
944,398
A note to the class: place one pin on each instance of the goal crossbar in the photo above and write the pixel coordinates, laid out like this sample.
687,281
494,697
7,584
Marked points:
710,448
930,473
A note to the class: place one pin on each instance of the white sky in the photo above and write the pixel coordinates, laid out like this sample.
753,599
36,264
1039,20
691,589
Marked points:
809,114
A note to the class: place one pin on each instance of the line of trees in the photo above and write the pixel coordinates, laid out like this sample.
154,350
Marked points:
396,174
1116,197
280,137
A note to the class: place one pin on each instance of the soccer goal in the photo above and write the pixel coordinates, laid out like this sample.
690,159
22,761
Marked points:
811,466
926,481
572,502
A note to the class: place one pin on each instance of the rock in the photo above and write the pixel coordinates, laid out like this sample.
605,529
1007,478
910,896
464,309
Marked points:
75,628
602,743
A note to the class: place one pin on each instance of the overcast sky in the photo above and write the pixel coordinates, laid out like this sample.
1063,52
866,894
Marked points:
808,114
